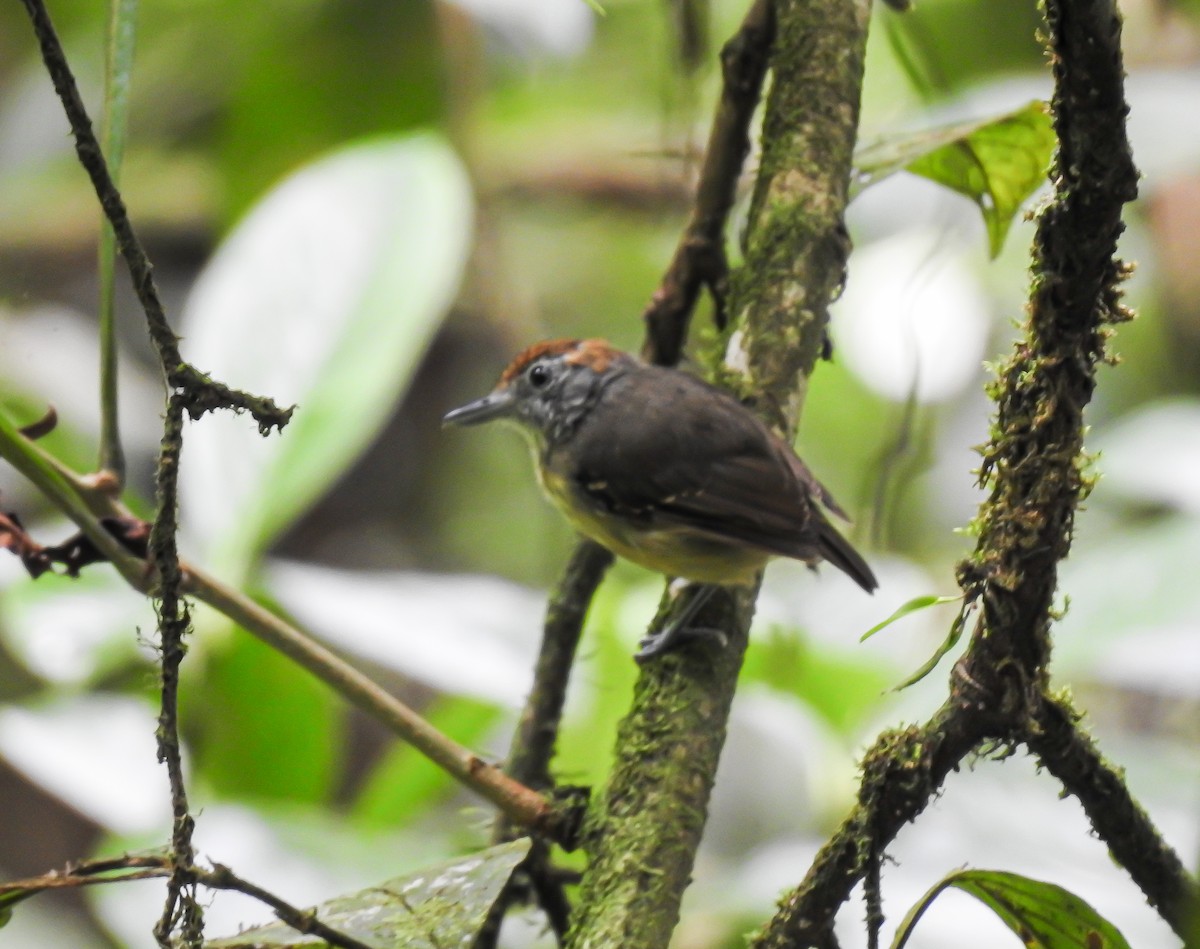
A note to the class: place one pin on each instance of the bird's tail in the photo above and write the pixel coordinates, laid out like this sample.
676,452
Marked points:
837,550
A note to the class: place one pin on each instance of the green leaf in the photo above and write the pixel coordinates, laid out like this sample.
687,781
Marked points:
405,782
912,606
952,638
1042,915
841,686
441,906
997,162
327,296
262,730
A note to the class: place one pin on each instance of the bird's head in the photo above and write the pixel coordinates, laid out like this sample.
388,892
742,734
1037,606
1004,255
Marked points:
548,388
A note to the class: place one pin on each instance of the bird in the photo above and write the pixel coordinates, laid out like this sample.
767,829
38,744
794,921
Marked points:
665,470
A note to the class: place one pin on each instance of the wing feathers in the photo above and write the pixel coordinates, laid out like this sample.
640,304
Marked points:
667,449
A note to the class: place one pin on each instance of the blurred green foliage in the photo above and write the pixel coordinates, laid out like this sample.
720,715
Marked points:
577,165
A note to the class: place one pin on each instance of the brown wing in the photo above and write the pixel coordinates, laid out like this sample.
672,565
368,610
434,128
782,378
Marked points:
669,449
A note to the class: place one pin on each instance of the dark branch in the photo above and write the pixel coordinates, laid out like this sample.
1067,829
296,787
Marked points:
1135,843
304,921
700,260
534,742
1034,467
173,626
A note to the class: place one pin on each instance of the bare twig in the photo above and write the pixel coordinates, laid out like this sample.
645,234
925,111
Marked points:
155,866
173,625
189,391
533,744
304,921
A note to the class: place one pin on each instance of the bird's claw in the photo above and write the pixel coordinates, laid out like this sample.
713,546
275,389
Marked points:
670,639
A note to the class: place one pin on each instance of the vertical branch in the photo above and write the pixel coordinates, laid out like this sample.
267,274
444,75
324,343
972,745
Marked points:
173,624
644,829
191,392
533,744
796,242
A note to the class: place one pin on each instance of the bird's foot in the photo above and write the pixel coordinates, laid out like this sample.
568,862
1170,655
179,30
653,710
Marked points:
675,636
680,630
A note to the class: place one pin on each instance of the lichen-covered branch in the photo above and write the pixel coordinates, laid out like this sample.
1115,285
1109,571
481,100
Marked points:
644,829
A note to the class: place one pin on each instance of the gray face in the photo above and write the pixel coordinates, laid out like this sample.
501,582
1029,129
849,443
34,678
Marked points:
547,399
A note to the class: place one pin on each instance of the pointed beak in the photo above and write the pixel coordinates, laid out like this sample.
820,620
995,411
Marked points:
494,405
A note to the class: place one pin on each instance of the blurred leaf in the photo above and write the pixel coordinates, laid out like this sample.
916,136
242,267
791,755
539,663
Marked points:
912,606
1134,602
1041,915
122,28
77,630
467,635
306,76
841,687
405,782
262,729
996,162
93,751
441,906
326,295
1152,454
956,44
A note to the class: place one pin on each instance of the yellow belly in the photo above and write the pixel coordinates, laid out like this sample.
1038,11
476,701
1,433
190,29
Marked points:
674,551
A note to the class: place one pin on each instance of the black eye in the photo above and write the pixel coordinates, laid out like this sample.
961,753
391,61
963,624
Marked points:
539,375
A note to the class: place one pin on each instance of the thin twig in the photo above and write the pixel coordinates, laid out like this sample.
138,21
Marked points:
118,67
220,877
173,625
147,867
533,743
189,391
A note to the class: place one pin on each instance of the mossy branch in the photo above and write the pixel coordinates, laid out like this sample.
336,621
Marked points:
643,831
1033,466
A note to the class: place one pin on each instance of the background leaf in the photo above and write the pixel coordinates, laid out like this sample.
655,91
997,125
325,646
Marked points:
1040,914
437,907
326,296
997,162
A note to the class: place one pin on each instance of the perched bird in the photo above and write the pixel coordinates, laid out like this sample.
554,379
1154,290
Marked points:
664,469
